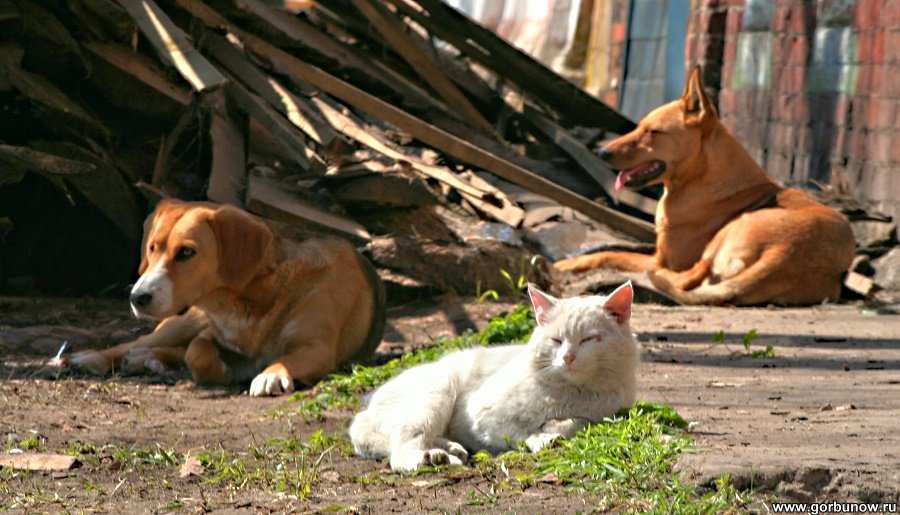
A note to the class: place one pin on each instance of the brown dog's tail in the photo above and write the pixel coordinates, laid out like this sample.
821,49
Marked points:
379,306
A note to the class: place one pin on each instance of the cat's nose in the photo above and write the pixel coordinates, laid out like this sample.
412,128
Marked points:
568,359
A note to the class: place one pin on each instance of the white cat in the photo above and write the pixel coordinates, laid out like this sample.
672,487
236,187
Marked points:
578,367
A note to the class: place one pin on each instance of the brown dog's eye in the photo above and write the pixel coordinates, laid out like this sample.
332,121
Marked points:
153,247
184,253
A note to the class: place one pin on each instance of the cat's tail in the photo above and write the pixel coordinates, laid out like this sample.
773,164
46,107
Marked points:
367,440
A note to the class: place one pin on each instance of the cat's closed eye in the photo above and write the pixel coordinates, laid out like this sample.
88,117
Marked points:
556,341
595,337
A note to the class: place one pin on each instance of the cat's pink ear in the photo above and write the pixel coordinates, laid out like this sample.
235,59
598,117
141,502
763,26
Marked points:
618,303
542,303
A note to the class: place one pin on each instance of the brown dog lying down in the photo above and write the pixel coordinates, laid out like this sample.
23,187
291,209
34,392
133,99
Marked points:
726,233
237,302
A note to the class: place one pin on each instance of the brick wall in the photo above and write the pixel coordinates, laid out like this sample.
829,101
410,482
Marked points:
811,88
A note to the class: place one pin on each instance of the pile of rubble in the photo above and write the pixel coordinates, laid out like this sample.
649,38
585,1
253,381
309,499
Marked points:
449,155
400,124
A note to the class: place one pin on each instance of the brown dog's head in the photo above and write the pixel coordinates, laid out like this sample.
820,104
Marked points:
664,140
191,249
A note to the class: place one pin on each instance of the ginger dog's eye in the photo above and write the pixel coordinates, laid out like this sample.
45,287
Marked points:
185,253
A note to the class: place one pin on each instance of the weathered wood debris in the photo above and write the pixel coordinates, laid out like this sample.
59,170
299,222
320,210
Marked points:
399,124
444,151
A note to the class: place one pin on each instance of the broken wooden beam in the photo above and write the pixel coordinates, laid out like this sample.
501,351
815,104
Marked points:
173,45
295,109
589,162
268,199
454,146
394,32
139,67
446,142
228,138
291,139
575,105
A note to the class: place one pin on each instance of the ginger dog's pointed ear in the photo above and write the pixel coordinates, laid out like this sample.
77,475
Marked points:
242,244
696,106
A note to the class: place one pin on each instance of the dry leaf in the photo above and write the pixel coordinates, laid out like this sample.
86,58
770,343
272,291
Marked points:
191,467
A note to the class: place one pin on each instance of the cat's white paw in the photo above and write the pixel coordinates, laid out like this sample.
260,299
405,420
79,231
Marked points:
538,441
266,384
566,427
413,459
456,450
442,457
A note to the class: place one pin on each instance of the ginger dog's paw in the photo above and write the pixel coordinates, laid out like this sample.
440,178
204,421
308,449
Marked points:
89,361
269,383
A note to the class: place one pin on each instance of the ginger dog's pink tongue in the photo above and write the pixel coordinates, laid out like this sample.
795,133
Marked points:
625,175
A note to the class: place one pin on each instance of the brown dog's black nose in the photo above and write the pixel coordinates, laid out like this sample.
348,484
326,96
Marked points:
141,300
604,154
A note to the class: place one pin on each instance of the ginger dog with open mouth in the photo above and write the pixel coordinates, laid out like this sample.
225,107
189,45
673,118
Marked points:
238,302
726,233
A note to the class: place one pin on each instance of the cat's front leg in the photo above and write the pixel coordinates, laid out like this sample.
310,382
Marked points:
554,429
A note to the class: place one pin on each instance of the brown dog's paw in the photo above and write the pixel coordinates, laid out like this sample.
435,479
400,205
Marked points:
90,361
271,383
141,360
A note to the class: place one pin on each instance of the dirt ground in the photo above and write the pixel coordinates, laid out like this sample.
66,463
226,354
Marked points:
819,420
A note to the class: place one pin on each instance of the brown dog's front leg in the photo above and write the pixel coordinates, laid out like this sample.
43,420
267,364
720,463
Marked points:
175,331
308,364
206,365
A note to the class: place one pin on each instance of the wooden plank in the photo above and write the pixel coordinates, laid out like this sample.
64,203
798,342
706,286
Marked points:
136,65
425,132
291,139
38,461
487,199
575,105
173,45
228,170
268,199
446,142
590,163
292,107
312,39
395,33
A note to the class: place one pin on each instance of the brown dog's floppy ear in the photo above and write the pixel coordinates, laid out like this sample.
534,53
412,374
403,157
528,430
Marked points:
149,223
696,105
242,241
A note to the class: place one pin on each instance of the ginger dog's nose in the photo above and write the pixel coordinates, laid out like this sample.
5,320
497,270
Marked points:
604,154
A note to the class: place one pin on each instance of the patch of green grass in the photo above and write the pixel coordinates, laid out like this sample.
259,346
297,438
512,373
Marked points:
629,459
287,465
345,389
746,341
